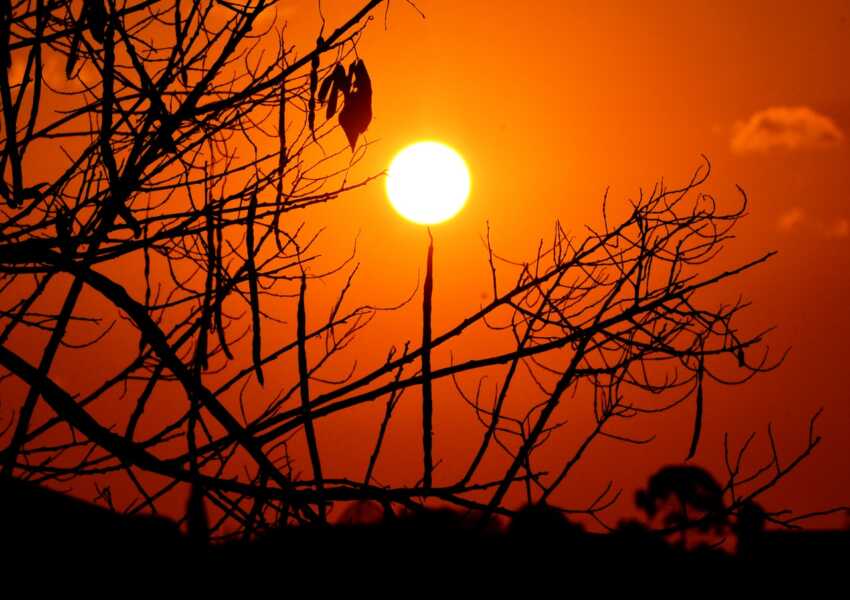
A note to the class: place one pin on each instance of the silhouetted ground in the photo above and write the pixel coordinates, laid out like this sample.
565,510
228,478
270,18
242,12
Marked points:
42,526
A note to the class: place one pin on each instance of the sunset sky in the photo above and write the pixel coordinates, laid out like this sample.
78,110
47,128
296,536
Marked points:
552,103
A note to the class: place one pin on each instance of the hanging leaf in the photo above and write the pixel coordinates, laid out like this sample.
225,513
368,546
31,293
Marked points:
361,76
326,86
331,110
355,116
338,83
351,72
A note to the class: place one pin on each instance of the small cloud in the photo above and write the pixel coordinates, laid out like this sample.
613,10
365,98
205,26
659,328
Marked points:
796,220
789,128
838,229
791,219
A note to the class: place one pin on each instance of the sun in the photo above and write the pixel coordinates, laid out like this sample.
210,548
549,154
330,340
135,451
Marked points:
428,182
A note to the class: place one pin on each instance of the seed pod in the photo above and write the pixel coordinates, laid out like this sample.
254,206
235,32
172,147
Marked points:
311,104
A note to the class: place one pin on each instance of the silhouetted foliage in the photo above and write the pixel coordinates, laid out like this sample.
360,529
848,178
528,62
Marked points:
446,543
163,181
693,492
356,89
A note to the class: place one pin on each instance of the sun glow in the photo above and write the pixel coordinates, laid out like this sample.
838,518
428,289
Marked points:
428,183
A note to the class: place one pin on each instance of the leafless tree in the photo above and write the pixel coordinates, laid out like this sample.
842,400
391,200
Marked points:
139,174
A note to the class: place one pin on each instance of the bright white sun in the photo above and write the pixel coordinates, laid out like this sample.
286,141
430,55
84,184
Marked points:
428,183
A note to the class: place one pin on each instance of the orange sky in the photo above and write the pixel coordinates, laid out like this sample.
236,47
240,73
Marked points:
552,102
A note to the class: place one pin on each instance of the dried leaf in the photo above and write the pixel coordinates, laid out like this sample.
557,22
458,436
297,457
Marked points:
343,81
361,76
337,82
326,86
355,116
331,110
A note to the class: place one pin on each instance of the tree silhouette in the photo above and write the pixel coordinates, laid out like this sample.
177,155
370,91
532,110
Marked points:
136,181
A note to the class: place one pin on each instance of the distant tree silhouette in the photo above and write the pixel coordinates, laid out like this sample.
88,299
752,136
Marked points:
692,490
163,175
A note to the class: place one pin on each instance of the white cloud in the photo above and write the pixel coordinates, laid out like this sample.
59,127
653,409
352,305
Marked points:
788,128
